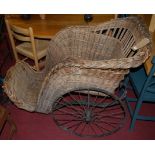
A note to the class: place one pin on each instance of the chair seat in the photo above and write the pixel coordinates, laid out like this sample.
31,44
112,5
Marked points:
26,48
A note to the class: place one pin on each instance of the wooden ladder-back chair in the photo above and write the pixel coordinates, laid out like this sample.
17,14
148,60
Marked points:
34,49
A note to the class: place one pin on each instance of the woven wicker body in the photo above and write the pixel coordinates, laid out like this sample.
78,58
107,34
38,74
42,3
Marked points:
79,57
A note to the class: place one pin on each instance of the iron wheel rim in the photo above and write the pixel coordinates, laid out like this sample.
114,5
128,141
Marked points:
85,119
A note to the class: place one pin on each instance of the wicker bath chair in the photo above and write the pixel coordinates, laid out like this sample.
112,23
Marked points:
84,66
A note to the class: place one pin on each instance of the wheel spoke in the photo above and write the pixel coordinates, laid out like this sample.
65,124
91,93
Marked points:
69,113
83,129
77,101
94,106
68,121
100,127
92,128
109,108
107,122
66,114
109,116
96,97
63,114
88,101
112,114
115,101
77,125
81,100
66,103
65,123
116,117
75,110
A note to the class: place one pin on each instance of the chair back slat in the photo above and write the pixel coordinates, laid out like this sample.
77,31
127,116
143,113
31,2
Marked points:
20,30
20,37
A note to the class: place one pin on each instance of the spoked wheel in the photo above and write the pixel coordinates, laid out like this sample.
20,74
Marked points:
89,112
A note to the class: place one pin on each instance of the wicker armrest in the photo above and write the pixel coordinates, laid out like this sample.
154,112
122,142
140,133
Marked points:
123,63
141,44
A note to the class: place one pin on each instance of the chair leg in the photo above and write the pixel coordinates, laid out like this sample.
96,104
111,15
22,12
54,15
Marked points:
136,111
36,65
13,127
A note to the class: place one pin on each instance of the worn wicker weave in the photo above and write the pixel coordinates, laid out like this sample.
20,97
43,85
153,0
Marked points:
79,57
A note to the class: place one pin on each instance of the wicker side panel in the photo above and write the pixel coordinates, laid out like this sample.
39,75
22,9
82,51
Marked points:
61,81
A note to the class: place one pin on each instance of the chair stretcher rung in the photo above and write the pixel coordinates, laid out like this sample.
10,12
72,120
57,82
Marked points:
146,118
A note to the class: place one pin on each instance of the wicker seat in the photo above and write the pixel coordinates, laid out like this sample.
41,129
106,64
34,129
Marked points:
80,57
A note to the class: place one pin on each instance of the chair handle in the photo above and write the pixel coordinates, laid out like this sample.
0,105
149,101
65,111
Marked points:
141,44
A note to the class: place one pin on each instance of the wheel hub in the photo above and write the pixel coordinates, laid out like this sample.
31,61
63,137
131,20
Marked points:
88,116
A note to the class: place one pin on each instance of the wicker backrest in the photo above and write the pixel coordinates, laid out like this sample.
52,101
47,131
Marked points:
97,42
128,31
